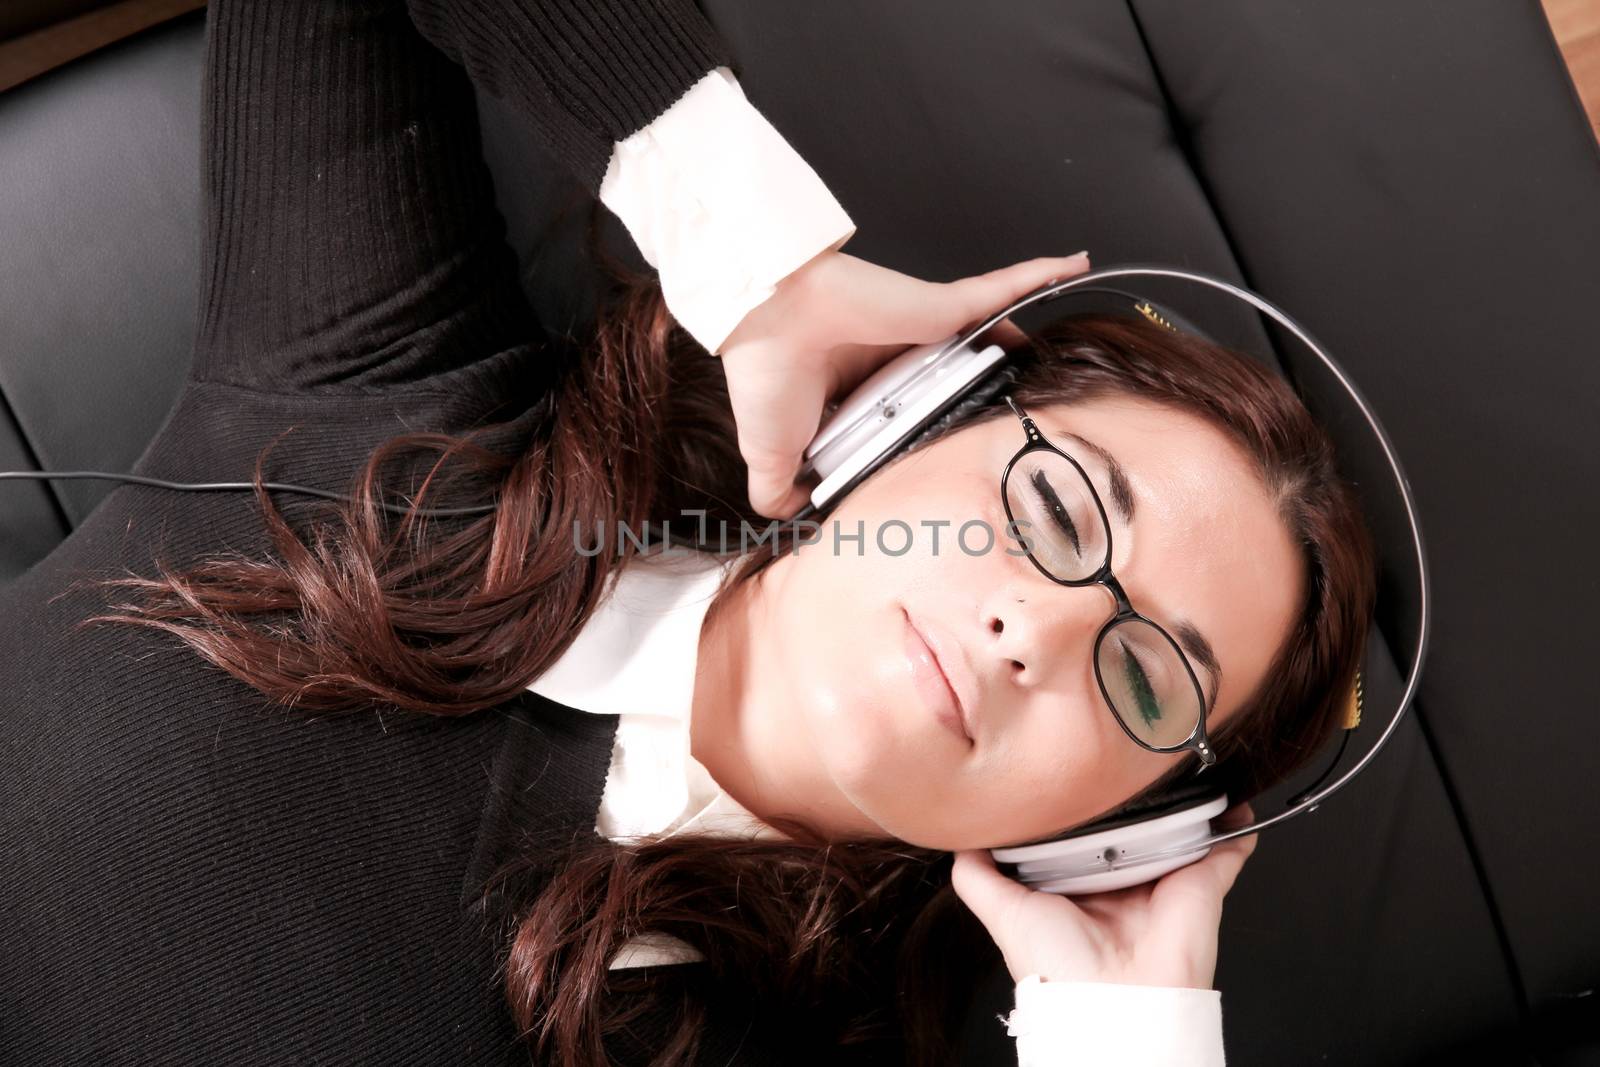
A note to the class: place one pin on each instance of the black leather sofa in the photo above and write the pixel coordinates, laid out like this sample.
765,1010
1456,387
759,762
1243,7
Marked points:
1414,180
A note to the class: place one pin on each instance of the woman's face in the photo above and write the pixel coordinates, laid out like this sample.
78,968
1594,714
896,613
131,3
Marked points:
1205,546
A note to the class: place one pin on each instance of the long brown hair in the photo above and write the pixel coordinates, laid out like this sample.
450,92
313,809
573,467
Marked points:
833,943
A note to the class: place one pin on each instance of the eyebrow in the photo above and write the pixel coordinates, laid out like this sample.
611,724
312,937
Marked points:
1194,642
1189,636
1121,488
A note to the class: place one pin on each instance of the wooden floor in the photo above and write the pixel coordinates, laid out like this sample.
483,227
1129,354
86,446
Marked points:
49,47
1576,24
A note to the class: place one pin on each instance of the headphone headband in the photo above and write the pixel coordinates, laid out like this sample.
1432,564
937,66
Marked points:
1096,278
926,382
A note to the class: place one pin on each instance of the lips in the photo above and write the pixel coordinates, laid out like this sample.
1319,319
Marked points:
932,677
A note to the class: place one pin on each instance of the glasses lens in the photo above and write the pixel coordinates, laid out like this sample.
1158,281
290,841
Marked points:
1056,515
1148,685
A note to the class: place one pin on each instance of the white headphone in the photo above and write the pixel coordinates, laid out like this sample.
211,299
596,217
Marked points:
898,405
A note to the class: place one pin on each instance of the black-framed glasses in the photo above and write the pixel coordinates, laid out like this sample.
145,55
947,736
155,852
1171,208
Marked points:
1147,681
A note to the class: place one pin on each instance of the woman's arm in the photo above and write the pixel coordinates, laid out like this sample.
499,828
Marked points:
351,236
351,239
642,102
585,73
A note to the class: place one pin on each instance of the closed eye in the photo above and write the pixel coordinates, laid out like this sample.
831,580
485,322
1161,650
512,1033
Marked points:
1058,510
1139,682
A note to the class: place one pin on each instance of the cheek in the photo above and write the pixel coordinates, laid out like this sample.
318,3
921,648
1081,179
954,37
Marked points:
848,704
1061,767
835,662
1052,757
880,747
950,481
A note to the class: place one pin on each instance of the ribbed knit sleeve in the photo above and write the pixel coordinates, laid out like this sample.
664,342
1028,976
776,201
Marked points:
351,238
587,73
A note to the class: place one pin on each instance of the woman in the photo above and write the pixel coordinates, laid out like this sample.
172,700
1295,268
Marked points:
248,883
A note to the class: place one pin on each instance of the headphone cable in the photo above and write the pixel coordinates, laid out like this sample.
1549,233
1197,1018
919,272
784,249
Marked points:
198,487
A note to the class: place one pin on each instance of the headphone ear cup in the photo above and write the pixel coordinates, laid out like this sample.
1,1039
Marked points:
982,395
1184,794
880,421
1136,845
979,398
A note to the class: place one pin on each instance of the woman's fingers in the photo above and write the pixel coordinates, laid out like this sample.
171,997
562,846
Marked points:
907,311
1186,905
796,499
1000,902
826,328
903,310
853,363
775,504
777,416
1240,814
1208,880
984,294
1228,858
1223,864
1004,333
987,893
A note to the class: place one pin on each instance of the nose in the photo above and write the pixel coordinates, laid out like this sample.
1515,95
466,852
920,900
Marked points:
1044,631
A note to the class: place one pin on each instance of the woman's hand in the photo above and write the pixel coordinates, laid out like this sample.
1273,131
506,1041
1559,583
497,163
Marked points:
826,327
1162,933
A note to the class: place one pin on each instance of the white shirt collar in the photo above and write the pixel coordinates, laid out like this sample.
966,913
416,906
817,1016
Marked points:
636,657
637,653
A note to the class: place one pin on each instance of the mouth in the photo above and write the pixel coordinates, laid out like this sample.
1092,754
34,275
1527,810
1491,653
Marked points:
933,680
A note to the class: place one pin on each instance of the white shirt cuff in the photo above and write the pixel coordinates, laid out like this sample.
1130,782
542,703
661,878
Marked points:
1089,1024
720,204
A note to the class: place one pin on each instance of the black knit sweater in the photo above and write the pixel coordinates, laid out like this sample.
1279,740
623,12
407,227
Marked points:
188,873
